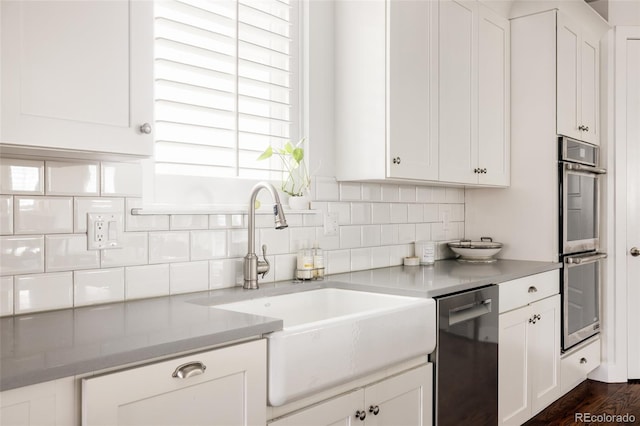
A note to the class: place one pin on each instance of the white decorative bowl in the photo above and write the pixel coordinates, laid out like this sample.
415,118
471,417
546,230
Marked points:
476,251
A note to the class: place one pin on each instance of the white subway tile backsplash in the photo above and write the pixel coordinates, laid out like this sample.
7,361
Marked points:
457,212
380,257
277,240
42,215
406,233
271,276
21,176
360,259
146,281
71,178
327,189
407,194
439,195
43,292
350,236
98,286
454,195
300,238
218,221
168,247
380,213
188,221
188,277
293,220
315,219
388,234
121,179
285,267
430,213
390,193
424,194
371,235
360,213
225,273
337,261
423,231
238,243
68,253
6,296
143,222
134,251
438,231
399,213
350,191
327,242
415,213
371,192
209,244
21,255
397,253
84,205
6,214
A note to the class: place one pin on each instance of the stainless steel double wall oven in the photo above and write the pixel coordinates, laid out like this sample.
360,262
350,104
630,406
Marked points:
579,177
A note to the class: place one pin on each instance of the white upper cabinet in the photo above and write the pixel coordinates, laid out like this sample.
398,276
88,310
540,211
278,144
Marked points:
578,82
474,94
385,87
77,76
422,92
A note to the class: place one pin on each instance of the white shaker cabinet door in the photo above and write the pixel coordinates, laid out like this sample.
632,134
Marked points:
43,404
77,75
230,391
493,98
412,134
458,96
339,411
568,86
590,88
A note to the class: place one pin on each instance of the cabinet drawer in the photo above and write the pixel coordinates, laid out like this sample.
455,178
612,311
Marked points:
526,290
575,366
226,386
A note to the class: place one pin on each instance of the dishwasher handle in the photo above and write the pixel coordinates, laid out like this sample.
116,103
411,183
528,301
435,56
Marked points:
469,312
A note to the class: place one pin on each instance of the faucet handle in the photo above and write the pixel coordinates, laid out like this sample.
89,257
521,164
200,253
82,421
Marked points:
263,265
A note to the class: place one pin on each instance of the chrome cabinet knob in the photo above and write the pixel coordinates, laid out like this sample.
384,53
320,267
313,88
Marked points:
374,409
396,160
635,251
361,415
583,128
476,170
583,360
145,128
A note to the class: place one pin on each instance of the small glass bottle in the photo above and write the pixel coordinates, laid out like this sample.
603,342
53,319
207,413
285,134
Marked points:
318,262
305,264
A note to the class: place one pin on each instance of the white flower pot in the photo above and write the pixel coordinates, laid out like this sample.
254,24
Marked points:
299,203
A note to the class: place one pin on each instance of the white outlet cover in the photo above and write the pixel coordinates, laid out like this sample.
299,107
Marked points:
330,223
104,230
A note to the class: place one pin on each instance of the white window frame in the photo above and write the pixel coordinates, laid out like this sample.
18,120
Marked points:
186,193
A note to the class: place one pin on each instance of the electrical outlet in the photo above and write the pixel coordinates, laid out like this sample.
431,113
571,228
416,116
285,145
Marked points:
330,224
104,230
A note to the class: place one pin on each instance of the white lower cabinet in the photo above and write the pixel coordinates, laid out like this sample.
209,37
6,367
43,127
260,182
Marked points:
225,386
404,399
44,404
529,360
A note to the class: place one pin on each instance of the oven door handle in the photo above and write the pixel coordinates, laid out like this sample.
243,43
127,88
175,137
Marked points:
583,260
583,168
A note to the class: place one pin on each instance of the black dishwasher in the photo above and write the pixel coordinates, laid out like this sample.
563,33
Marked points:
466,358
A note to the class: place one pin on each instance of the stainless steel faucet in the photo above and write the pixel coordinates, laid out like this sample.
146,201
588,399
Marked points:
252,265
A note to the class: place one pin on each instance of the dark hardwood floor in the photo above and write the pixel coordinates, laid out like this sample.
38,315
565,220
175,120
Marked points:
595,399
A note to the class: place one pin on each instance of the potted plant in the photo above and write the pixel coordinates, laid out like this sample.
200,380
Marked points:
295,176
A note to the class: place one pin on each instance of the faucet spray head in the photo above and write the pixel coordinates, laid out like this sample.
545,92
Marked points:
280,220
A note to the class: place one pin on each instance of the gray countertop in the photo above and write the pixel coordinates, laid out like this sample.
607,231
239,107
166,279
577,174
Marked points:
44,346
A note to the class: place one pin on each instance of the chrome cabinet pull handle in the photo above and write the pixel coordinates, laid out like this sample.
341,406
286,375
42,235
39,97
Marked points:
532,289
190,369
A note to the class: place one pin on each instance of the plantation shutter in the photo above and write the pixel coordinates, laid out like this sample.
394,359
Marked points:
223,79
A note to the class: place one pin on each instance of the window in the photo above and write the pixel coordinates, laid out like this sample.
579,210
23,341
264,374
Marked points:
226,86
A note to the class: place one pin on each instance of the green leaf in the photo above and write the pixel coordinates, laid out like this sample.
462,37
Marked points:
266,154
298,154
288,147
